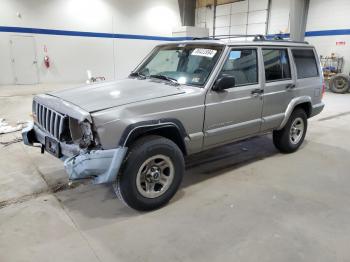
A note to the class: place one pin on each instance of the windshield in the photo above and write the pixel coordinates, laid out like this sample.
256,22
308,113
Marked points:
186,64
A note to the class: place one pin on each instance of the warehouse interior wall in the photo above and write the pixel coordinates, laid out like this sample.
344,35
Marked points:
140,25
328,28
325,23
72,55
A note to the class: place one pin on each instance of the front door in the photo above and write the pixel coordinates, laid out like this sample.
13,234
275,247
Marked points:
24,60
235,112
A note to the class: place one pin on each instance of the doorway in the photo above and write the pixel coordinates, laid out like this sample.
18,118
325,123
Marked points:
24,61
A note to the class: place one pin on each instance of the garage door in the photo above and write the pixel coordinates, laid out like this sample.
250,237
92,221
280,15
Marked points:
243,17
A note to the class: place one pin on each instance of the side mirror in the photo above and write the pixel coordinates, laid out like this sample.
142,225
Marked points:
224,82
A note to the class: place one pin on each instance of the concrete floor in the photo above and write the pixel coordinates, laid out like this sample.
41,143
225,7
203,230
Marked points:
242,202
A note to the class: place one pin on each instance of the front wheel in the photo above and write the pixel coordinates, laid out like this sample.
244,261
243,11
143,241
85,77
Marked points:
152,173
292,135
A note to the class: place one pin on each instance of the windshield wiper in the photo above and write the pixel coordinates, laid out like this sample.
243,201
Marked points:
137,74
167,78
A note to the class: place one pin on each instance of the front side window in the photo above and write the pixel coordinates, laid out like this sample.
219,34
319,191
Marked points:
276,63
187,64
242,64
305,63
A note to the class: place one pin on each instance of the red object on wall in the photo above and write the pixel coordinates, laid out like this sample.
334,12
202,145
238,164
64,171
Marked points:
340,43
47,61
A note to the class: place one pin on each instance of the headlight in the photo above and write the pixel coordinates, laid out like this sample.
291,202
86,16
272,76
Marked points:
87,135
81,132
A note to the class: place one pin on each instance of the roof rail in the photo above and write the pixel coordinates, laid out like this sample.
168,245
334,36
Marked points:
278,38
219,37
258,37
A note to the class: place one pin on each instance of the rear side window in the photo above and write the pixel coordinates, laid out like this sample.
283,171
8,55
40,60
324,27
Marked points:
305,63
276,63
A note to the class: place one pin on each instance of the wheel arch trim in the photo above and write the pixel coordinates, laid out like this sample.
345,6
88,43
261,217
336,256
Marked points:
150,125
292,104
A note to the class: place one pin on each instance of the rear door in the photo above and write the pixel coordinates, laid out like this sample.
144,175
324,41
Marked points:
308,82
234,113
279,87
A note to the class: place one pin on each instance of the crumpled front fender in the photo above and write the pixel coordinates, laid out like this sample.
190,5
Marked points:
102,166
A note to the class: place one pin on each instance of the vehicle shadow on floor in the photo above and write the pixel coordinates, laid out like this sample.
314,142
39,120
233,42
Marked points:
219,161
96,202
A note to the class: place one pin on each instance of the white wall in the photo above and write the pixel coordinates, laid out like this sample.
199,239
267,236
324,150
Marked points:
71,56
330,15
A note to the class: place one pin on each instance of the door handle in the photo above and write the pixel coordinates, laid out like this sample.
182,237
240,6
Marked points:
290,86
257,92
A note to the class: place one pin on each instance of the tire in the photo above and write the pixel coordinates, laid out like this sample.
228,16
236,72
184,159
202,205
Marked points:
151,173
339,83
288,140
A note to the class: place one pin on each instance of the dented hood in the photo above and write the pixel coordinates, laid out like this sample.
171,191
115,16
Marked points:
97,97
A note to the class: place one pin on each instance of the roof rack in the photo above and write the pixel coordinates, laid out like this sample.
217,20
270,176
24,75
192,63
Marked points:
275,38
219,37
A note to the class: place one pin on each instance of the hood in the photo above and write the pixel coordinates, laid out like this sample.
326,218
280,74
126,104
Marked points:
97,97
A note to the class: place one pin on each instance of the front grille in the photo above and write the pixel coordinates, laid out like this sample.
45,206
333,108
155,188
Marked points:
49,120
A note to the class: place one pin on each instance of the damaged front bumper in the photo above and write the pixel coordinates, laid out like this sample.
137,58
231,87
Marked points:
101,166
33,134
28,134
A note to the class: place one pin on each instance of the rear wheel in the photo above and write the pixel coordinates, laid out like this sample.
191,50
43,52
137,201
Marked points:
152,173
290,138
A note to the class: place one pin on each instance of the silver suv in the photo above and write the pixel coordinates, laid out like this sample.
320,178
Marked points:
185,97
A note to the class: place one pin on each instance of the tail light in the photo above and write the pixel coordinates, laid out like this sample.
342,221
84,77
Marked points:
323,88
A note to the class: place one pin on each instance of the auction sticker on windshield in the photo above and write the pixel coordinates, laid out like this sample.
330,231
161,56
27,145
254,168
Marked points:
204,52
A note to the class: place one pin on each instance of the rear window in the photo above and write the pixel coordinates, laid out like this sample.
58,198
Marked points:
305,63
276,63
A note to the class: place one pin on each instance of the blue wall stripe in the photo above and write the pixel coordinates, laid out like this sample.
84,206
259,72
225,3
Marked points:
12,29
42,31
328,32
